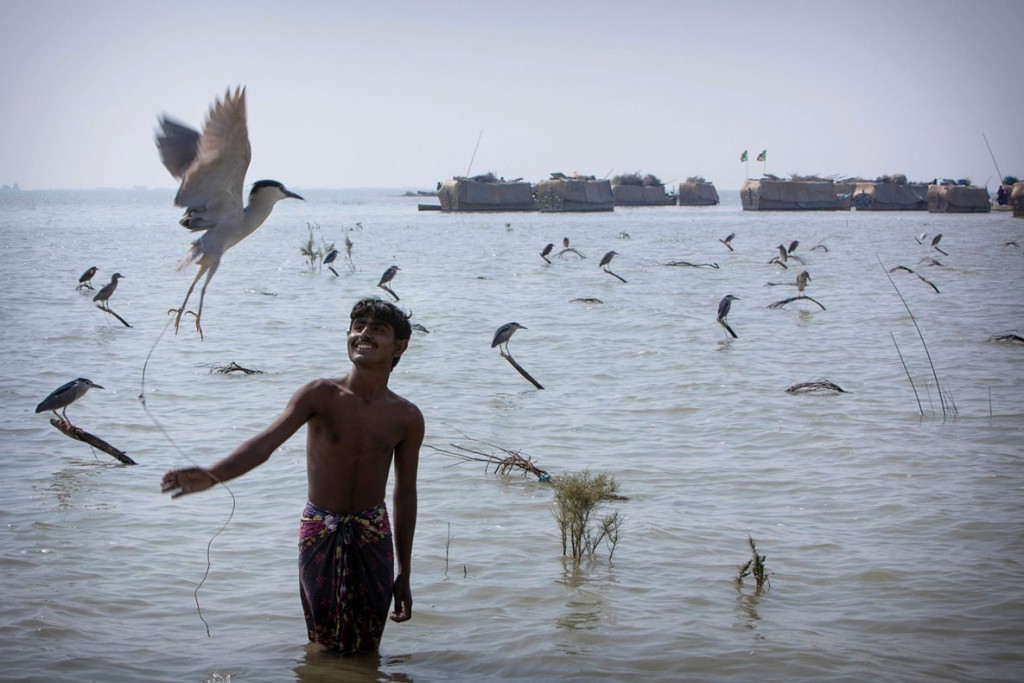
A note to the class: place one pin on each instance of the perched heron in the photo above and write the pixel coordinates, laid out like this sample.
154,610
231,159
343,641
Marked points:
504,333
211,167
388,275
792,246
802,279
103,296
329,260
724,307
66,394
935,244
547,250
783,254
607,258
86,279
727,240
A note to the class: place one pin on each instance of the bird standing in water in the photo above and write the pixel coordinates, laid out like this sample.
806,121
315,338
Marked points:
504,333
724,307
85,281
212,167
66,394
102,297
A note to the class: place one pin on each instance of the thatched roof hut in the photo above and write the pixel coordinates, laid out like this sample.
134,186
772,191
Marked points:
890,196
632,189
792,195
1017,199
486,193
562,193
697,192
958,199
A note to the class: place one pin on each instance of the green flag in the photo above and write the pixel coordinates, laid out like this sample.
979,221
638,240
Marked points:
743,157
763,155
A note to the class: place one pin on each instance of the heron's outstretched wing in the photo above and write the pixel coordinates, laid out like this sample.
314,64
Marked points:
212,165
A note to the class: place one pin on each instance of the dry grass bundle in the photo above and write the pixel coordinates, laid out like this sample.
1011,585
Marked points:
1007,338
233,367
504,462
818,386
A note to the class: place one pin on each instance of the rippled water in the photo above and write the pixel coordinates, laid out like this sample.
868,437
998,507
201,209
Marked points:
895,541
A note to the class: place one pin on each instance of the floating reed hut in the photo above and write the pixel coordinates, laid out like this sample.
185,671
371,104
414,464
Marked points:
890,193
576,193
797,194
486,193
632,189
1017,199
954,198
697,192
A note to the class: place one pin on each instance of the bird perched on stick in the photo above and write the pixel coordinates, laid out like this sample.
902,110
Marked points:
66,394
727,240
547,250
724,307
102,297
606,260
387,277
802,279
332,255
211,166
85,281
504,333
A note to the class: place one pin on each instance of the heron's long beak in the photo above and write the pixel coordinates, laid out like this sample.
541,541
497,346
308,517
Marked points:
288,193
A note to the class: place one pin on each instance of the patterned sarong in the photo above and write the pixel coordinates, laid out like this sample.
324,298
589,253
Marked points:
346,576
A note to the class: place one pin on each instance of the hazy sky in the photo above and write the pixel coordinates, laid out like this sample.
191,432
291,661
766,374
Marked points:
395,94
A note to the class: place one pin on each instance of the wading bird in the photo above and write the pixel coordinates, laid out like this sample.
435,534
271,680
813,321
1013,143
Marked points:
546,251
504,333
727,240
103,296
388,275
723,311
64,395
211,167
802,279
605,261
329,260
85,281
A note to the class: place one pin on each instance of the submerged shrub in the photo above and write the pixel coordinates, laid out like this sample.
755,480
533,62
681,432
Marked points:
577,498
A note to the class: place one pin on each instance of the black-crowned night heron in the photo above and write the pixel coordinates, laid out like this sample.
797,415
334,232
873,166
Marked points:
388,275
607,258
727,240
547,250
504,333
802,279
211,167
103,296
792,246
86,279
724,306
332,255
66,394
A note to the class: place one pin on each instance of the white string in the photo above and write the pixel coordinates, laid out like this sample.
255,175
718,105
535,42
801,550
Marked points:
231,514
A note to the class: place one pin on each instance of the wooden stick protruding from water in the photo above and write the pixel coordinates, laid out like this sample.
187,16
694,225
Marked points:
81,435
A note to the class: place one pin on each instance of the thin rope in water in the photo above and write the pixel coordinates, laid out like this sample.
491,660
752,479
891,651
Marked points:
231,514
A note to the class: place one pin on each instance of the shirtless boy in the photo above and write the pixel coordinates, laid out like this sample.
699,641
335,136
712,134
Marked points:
356,426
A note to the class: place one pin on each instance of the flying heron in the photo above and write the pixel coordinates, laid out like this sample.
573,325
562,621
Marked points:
66,394
86,279
103,296
724,307
211,167
504,333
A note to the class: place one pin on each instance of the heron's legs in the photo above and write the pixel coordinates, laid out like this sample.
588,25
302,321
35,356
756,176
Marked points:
180,311
202,295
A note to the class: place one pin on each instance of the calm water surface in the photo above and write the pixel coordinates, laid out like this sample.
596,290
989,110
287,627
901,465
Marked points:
895,540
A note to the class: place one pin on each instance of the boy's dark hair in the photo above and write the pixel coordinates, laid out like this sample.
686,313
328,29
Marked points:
385,312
